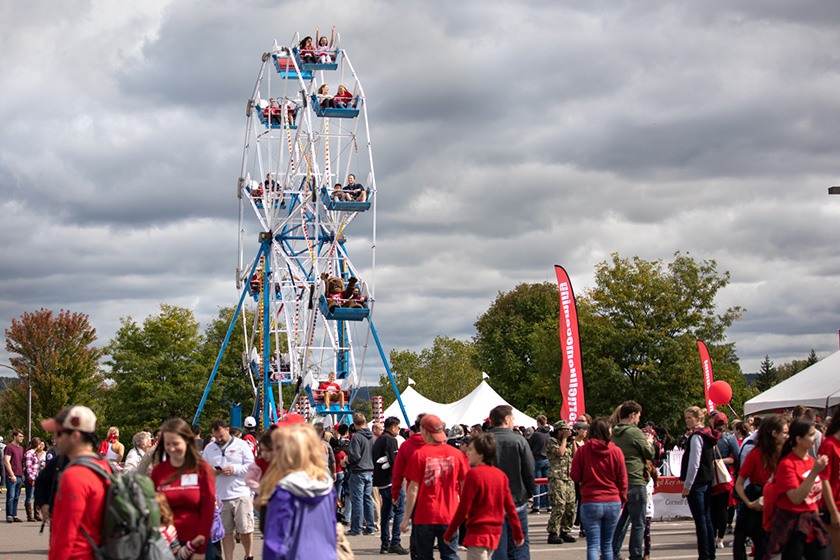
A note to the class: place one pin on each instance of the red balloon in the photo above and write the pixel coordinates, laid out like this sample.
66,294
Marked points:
720,392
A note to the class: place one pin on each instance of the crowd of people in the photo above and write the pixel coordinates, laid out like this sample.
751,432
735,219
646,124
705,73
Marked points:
309,489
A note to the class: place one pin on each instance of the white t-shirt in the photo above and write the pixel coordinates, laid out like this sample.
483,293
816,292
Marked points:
237,454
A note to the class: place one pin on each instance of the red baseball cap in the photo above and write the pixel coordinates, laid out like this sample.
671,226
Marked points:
435,427
289,420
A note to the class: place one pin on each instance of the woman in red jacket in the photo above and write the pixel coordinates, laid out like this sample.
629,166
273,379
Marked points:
188,484
599,468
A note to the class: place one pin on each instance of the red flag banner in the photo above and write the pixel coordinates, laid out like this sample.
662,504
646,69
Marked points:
708,376
571,373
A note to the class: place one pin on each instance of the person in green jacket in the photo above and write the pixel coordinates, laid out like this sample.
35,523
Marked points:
637,449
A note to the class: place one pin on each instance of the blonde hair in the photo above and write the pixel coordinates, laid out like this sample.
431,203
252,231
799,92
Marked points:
296,448
697,412
114,430
166,515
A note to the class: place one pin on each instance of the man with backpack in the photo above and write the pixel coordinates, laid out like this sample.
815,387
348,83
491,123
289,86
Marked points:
78,512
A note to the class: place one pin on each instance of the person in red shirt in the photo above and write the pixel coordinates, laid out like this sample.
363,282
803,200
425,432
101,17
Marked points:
601,471
188,483
797,529
435,473
78,511
758,468
831,448
331,390
343,99
485,500
406,451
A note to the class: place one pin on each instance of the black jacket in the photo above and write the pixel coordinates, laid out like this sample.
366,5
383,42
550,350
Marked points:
384,455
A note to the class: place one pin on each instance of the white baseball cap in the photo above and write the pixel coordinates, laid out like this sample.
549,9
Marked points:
76,417
250,422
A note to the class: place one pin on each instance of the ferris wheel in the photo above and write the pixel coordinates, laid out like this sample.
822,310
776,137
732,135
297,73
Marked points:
307,183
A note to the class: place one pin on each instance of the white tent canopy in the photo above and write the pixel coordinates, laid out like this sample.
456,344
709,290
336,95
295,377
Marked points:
472,409
817,386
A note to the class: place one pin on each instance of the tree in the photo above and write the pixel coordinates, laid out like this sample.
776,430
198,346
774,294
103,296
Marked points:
639,328
793,367
517,344
767,375
232,384
57,351
442,373
158,369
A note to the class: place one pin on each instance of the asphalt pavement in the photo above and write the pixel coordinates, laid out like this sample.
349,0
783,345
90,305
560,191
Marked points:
672,540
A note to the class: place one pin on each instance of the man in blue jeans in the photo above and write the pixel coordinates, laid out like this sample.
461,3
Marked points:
384,456
637,450
13,459
537,443
360,466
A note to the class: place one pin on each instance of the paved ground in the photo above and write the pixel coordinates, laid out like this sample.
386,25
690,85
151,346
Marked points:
673,540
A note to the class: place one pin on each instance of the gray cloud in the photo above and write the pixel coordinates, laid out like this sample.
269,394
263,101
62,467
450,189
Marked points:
506,139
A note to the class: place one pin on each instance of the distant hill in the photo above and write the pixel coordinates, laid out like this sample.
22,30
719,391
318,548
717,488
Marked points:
7,380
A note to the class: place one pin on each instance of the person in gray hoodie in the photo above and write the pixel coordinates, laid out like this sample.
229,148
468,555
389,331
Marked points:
637,450
360,466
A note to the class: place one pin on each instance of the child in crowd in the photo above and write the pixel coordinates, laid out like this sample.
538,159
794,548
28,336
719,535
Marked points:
256,470
298,491
180,550
485,499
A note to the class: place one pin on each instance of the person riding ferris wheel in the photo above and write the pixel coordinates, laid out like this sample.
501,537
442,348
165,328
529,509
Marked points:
307,174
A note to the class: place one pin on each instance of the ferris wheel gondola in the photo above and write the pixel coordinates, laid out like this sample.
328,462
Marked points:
298,197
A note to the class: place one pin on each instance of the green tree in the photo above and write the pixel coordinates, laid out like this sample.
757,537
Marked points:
158,369
767,375
232,383
57,351
517,344
639,327
442,373
793,367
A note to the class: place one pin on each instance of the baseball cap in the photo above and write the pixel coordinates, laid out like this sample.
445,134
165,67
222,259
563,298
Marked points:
720,418
561,425
290,419
75,417
250,422
435,427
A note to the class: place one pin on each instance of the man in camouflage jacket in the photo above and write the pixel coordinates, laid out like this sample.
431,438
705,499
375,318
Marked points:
560,486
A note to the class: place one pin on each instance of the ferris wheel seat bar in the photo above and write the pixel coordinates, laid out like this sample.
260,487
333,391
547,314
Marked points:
276,125
317,65
343,205
335,112
286,68
342,313
316,399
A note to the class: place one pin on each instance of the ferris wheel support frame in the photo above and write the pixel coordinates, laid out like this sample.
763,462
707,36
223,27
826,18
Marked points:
268,410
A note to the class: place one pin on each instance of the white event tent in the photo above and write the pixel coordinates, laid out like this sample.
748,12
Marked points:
817,386
472,409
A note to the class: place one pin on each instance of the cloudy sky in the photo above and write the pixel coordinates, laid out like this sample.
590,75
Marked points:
508,137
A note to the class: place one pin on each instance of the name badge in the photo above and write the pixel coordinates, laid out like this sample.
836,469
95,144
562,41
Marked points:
189,479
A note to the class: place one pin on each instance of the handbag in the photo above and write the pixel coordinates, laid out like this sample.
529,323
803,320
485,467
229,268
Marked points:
722,482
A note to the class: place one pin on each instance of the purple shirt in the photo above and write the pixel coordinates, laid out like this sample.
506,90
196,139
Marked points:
15,455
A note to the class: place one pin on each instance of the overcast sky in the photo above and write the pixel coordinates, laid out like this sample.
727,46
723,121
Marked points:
508,136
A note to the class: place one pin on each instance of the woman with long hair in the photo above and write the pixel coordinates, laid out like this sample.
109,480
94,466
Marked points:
697,474
599,468
298,491
797,530
31,467
187,482
758,468
831,448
